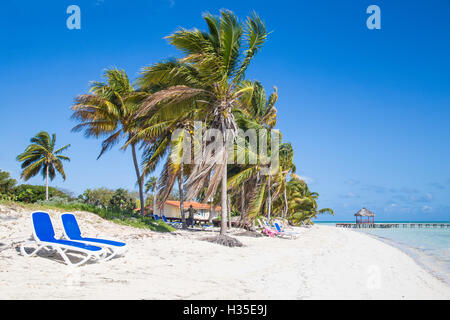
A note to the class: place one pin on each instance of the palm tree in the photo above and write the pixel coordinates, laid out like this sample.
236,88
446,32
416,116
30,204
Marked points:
151,185
160,144
210,79
259,113
41,156
109,111
286,166
302,202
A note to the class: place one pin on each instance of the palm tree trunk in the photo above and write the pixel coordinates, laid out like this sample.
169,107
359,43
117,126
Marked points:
229,212
46,188
285,203
223,225
180,187
269,198
154,201
139,179
243,217
210,217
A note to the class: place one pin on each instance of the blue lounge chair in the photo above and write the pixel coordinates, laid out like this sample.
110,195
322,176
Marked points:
72,232
173,224
44,237
156,217
284,232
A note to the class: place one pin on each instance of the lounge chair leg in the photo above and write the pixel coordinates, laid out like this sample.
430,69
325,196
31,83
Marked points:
112,255
67,260
24,253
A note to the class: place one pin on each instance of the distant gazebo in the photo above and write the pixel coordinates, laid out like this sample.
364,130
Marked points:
364,215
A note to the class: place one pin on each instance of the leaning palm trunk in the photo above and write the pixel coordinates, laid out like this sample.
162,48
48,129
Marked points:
46,187
243,216
180,186
285,204
154,202
269,197
139,179
223,225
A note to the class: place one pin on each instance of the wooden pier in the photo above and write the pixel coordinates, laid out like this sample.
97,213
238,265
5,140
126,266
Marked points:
393,225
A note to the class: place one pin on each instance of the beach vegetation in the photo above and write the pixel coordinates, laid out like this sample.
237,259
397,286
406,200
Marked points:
41,157
108,112
160,113
6,184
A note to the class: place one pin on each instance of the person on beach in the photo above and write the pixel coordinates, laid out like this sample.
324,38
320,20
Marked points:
190,220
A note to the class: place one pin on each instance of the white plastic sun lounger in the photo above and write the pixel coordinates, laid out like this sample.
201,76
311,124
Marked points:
44,237
284,232
72,232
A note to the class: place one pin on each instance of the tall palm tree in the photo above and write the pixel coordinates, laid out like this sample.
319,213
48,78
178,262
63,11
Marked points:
260,114
209,78
159,145
109,111
41,156
151,185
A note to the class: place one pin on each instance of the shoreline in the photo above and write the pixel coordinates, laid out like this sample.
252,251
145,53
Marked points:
416,254
322,263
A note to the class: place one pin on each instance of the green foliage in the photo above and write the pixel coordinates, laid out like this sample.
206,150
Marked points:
31,194
99,197
109,112
6,184
302,202
41,156
123,218
121,200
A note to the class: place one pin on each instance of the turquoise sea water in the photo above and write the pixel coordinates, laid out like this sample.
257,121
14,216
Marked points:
429,247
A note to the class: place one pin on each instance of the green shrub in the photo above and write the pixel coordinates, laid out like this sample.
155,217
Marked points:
121,217
6,184
122,201
99,197
30,194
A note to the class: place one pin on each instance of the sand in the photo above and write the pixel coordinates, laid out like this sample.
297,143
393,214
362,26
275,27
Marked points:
322,263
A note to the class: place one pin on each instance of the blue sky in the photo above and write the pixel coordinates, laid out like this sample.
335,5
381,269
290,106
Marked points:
367,111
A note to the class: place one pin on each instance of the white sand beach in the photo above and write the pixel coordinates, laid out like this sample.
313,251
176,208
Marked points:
322,263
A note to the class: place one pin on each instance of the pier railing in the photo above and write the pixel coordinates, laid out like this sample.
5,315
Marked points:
393,225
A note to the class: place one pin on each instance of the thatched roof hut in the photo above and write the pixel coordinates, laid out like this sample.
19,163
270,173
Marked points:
365,213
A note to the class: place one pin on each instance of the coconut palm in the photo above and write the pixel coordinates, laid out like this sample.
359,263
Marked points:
249,186
109,112
302,202
287,166
159,143
41,156
209,79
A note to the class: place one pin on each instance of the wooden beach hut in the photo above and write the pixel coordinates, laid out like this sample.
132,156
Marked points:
364,215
